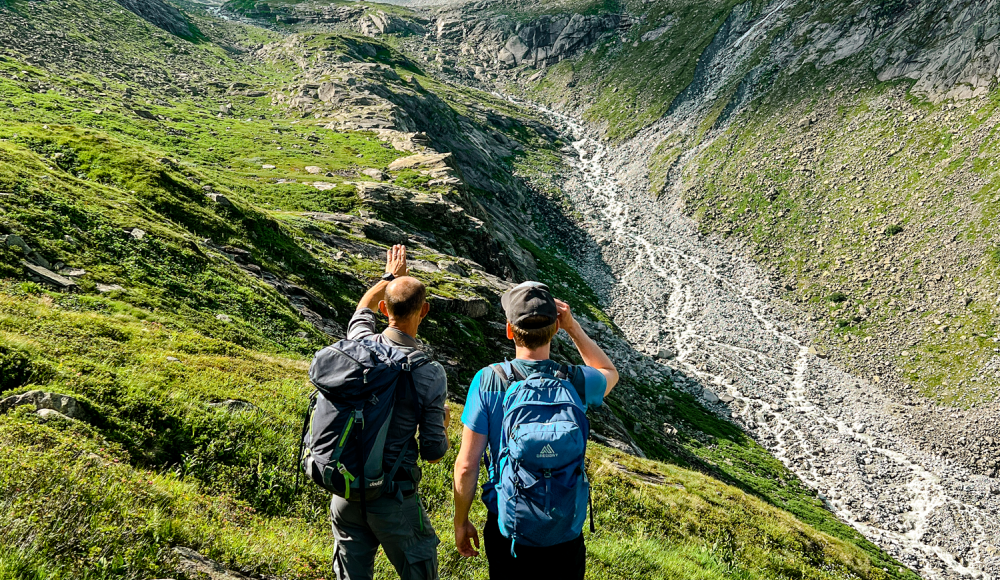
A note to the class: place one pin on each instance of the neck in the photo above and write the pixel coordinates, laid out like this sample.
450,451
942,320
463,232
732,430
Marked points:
541,353
405,326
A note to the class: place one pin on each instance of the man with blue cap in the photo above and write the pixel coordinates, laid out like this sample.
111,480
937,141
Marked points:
533,319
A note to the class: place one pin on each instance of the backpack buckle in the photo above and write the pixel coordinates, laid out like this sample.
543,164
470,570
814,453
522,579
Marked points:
341,468
364,376
405,366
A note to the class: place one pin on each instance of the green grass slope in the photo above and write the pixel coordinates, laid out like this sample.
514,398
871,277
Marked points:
190,366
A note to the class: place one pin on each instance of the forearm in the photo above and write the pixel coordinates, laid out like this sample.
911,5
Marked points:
593,355
373,296
466,480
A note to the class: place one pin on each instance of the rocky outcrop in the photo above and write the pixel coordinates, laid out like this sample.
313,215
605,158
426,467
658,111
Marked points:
194,565
46,404
377,23
162,15
331,14
471,306
552,39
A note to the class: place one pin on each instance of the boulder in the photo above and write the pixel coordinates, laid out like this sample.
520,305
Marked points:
13,241
63,404
709,396
376,174
454,267
49,414
450,28
234,406
817,352
423,266
429,162
473,307
194,565
314,170
379,22
49,277
220,199
665,353
384,232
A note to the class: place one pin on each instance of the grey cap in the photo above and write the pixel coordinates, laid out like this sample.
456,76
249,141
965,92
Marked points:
529,300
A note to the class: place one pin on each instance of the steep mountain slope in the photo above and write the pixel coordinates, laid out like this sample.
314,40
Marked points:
185,220
845,147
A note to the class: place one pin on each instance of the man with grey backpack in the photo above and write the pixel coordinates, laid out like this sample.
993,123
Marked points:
529,418
379,404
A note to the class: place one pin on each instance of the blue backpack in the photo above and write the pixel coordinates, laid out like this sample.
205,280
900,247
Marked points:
358,384
543,491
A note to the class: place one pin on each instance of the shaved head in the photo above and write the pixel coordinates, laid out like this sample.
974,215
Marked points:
405,297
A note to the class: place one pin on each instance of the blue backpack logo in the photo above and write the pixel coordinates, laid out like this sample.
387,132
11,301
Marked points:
543,491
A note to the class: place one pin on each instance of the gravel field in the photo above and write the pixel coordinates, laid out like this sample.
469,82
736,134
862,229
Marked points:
679,294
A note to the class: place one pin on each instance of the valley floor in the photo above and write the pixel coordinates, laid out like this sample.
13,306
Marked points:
674,291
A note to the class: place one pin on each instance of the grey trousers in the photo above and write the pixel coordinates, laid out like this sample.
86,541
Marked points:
399,525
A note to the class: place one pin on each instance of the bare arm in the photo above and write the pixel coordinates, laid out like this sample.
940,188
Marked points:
466,479
592,355
395,262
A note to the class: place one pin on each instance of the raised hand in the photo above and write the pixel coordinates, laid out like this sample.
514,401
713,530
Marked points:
565,317
395,261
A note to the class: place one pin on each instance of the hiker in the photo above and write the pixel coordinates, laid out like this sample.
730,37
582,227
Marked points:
539,531
397,520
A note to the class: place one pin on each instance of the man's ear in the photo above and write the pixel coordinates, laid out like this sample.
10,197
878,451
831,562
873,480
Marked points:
510,332
382,308
424,310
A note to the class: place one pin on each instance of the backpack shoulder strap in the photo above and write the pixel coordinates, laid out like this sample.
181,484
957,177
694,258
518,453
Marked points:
416,359
507,373
563,374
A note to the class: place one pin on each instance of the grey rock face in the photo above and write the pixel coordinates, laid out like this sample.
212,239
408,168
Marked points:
382,23
550,40
471,307
162,15
63,404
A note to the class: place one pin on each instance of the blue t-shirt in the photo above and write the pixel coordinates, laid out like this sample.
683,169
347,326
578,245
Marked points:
484,407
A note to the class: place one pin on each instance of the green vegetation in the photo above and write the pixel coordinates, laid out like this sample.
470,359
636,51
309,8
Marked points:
189,363
634,82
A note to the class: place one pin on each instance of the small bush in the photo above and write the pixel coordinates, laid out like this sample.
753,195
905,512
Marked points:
837,297
893,230
16,369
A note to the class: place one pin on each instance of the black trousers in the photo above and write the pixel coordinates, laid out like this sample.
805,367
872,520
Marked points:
567,561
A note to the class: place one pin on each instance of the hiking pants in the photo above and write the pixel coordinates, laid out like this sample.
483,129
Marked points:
566,561
400,525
